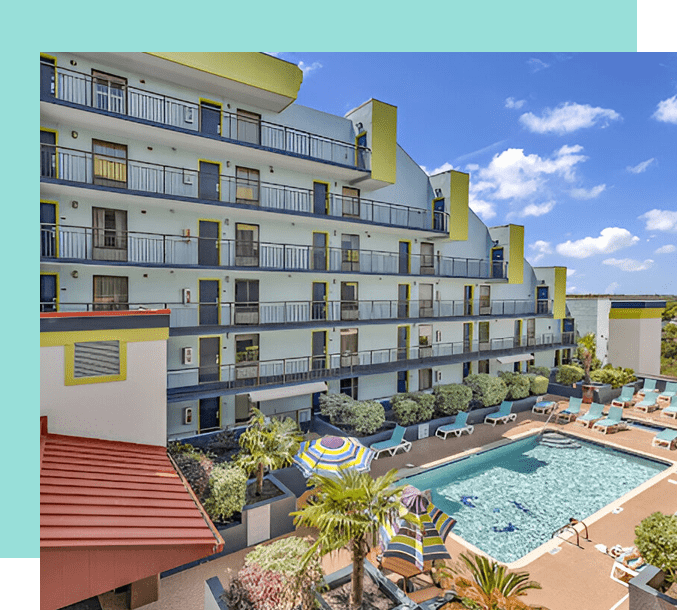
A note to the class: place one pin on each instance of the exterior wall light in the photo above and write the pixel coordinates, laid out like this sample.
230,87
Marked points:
74,135
74,273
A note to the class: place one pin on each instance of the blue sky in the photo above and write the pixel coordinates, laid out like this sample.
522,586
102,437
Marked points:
580,148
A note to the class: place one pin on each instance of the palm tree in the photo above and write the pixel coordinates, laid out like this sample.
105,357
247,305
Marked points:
490,586
267,443
348,511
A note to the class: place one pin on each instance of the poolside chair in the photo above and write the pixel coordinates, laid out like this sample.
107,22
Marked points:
457,428
593,414
666,438
571,412
648,387
668,393
395,442
612,423
671,409
503,414
625,399
648,404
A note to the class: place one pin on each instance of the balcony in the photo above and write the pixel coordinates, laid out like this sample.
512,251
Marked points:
139,177
117,98
311,313
331,366
78,244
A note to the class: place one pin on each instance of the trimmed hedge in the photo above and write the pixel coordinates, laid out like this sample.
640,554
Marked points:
228,491
357,417
452,398
486,389
615,377
544,371
538,385
518,384
412,408
568,374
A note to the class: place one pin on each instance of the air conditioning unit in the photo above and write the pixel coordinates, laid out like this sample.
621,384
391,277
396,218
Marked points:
438,375
186,295
187,355
188,415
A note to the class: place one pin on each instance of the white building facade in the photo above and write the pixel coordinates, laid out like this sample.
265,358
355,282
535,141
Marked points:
298,251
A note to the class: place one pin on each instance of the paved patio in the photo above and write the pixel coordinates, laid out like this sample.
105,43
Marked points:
572,579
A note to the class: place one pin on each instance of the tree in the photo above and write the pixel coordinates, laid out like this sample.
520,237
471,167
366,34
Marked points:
268,443
348,511
587,354
656,542
489,586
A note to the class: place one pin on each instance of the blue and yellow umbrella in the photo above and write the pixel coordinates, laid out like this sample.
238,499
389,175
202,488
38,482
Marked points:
419,539
332,454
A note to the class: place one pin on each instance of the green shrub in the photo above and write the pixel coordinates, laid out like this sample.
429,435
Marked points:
335,407
227,491
421,410
538,385
569,374
452,398
488,390
518,384
365,417
540,370
616,377
657,543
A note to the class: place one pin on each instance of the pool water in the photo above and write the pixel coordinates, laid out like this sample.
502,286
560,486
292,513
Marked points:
509,500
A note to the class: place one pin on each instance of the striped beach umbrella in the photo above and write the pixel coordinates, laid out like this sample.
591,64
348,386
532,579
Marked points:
331,454
420,539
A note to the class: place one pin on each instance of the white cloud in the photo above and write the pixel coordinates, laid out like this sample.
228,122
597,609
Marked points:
511,102
590,193
570,272
640,167
307,69
534,209
484,209
568,117
539,248
667,249
536,65
660,220
609,240
611,288
445,167
571,289
629,264
666,110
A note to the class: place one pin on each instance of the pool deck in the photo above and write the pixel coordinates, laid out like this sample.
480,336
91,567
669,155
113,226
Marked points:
574,578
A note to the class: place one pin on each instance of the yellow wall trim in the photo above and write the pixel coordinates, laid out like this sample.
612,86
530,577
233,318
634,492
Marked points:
559,298
635,313
383,142
458,205
516,260
131,335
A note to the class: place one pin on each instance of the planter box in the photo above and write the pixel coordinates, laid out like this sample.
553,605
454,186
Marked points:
213,592
341,577
643,592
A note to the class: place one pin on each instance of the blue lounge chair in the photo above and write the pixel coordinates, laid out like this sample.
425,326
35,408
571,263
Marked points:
593,414
649,403
665,438
612,423
648,387
459,426
571,412
625,399
503,414
671,409
395,442
669,392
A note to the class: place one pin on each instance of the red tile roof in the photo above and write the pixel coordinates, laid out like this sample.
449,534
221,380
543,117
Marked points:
124,499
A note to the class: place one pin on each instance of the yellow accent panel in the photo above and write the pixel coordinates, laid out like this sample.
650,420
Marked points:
516,260
130,335
69,363
458,205
560,296
253,69
383,142
635,313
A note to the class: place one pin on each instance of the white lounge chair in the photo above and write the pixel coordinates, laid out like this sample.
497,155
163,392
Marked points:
459,426
395,442
503,415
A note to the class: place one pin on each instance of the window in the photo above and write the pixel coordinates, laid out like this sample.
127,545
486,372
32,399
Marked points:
425,379
246,349
425,300
485,300
246,245
246,301
247,185
349,355
110,163
405,257
349,302
483,366
439,221
110,293
248,127
349,387
108,92
109,234
497,265
484,335
427,258
320,247
351,202
350,252
542,299
425,341
95,362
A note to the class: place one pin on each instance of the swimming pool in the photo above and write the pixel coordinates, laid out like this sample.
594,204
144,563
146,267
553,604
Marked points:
507,501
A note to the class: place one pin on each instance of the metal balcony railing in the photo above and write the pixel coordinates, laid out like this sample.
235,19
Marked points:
119,98
305,368
300,312
100,244
78,166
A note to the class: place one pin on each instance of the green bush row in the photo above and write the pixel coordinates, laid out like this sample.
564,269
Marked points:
361,417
